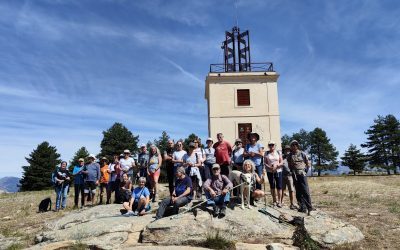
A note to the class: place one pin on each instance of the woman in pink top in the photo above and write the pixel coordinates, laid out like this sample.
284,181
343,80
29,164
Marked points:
273,163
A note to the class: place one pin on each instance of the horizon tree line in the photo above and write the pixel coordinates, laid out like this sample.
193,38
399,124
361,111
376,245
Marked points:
382,145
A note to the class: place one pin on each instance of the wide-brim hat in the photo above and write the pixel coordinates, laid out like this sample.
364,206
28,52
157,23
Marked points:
253,133
209,139
287,147
271,143
81,160
104,159
126,151
294,142
92,156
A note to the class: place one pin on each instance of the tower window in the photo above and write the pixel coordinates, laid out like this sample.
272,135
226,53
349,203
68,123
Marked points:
243,97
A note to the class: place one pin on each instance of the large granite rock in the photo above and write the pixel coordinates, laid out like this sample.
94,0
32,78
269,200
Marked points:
104,228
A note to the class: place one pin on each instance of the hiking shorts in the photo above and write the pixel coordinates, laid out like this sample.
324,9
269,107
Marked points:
288,183
90,185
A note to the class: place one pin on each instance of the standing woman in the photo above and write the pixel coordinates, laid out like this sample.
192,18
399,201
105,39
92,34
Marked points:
191,163
153,170
273,164
177,156
237,155
62,178
255,152
210,158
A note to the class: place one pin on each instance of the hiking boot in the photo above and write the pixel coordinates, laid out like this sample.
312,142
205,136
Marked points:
222,213
302,210
215,211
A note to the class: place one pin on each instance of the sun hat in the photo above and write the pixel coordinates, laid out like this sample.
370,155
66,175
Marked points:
215,165
81,159
287,147
238,140
92,156
142,145
126,151
271,142
255,134
209,139
294,142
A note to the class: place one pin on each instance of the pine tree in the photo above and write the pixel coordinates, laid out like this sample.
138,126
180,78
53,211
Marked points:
81,153
323,153
116,139
42,162
303,137
188,140
383,143
162,142
354,159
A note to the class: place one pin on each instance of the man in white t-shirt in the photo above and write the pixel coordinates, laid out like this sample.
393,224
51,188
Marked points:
127,164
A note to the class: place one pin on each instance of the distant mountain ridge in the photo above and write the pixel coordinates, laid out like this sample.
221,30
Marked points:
9,184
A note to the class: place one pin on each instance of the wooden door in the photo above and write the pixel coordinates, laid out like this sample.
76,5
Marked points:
244,129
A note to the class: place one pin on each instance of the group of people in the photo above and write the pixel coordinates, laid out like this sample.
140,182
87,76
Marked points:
190,174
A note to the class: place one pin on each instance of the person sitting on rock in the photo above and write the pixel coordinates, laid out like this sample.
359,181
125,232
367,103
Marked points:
125,189
140,200
181,196
249,167
217,191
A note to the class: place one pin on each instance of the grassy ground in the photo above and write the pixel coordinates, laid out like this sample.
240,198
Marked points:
371,203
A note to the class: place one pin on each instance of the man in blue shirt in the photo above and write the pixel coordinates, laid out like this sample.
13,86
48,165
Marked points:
79,184
181,196
92,177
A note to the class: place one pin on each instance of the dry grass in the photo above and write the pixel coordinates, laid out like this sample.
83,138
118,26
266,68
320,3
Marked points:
353,198
349,198
19,217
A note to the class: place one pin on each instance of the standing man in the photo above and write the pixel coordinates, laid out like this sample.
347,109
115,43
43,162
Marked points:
92,172
299,165
287,178
127,164
217,191
169,151
79,183
181,196
223,151
143,161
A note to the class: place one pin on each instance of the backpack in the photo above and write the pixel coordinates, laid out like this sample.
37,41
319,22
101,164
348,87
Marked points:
53,177
45,205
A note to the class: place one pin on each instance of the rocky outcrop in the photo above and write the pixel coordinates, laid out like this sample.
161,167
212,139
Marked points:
105,228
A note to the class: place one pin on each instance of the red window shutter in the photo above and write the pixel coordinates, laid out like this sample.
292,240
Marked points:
243,97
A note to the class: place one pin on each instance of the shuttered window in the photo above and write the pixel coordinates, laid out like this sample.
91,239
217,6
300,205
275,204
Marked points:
243,97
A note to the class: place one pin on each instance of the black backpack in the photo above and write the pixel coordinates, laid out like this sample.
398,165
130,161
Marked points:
45,205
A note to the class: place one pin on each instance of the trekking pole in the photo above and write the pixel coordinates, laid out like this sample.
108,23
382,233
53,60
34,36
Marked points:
201,203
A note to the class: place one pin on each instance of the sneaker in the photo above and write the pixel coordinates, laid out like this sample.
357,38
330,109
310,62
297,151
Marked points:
123,211
130,213
222,213
279,205
293,207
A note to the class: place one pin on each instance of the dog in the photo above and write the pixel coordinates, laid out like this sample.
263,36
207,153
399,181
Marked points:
237,178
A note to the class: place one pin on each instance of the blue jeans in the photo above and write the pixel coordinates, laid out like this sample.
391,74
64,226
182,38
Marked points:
61,192
220,200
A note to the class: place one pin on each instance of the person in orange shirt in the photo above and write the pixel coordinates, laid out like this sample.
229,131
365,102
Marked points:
104,178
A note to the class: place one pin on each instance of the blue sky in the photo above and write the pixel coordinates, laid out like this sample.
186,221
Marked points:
70,69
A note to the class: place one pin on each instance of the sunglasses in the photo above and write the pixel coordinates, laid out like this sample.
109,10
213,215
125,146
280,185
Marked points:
271,145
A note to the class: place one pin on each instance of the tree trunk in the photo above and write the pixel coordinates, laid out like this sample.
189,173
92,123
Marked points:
388,171
319,172
354,173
